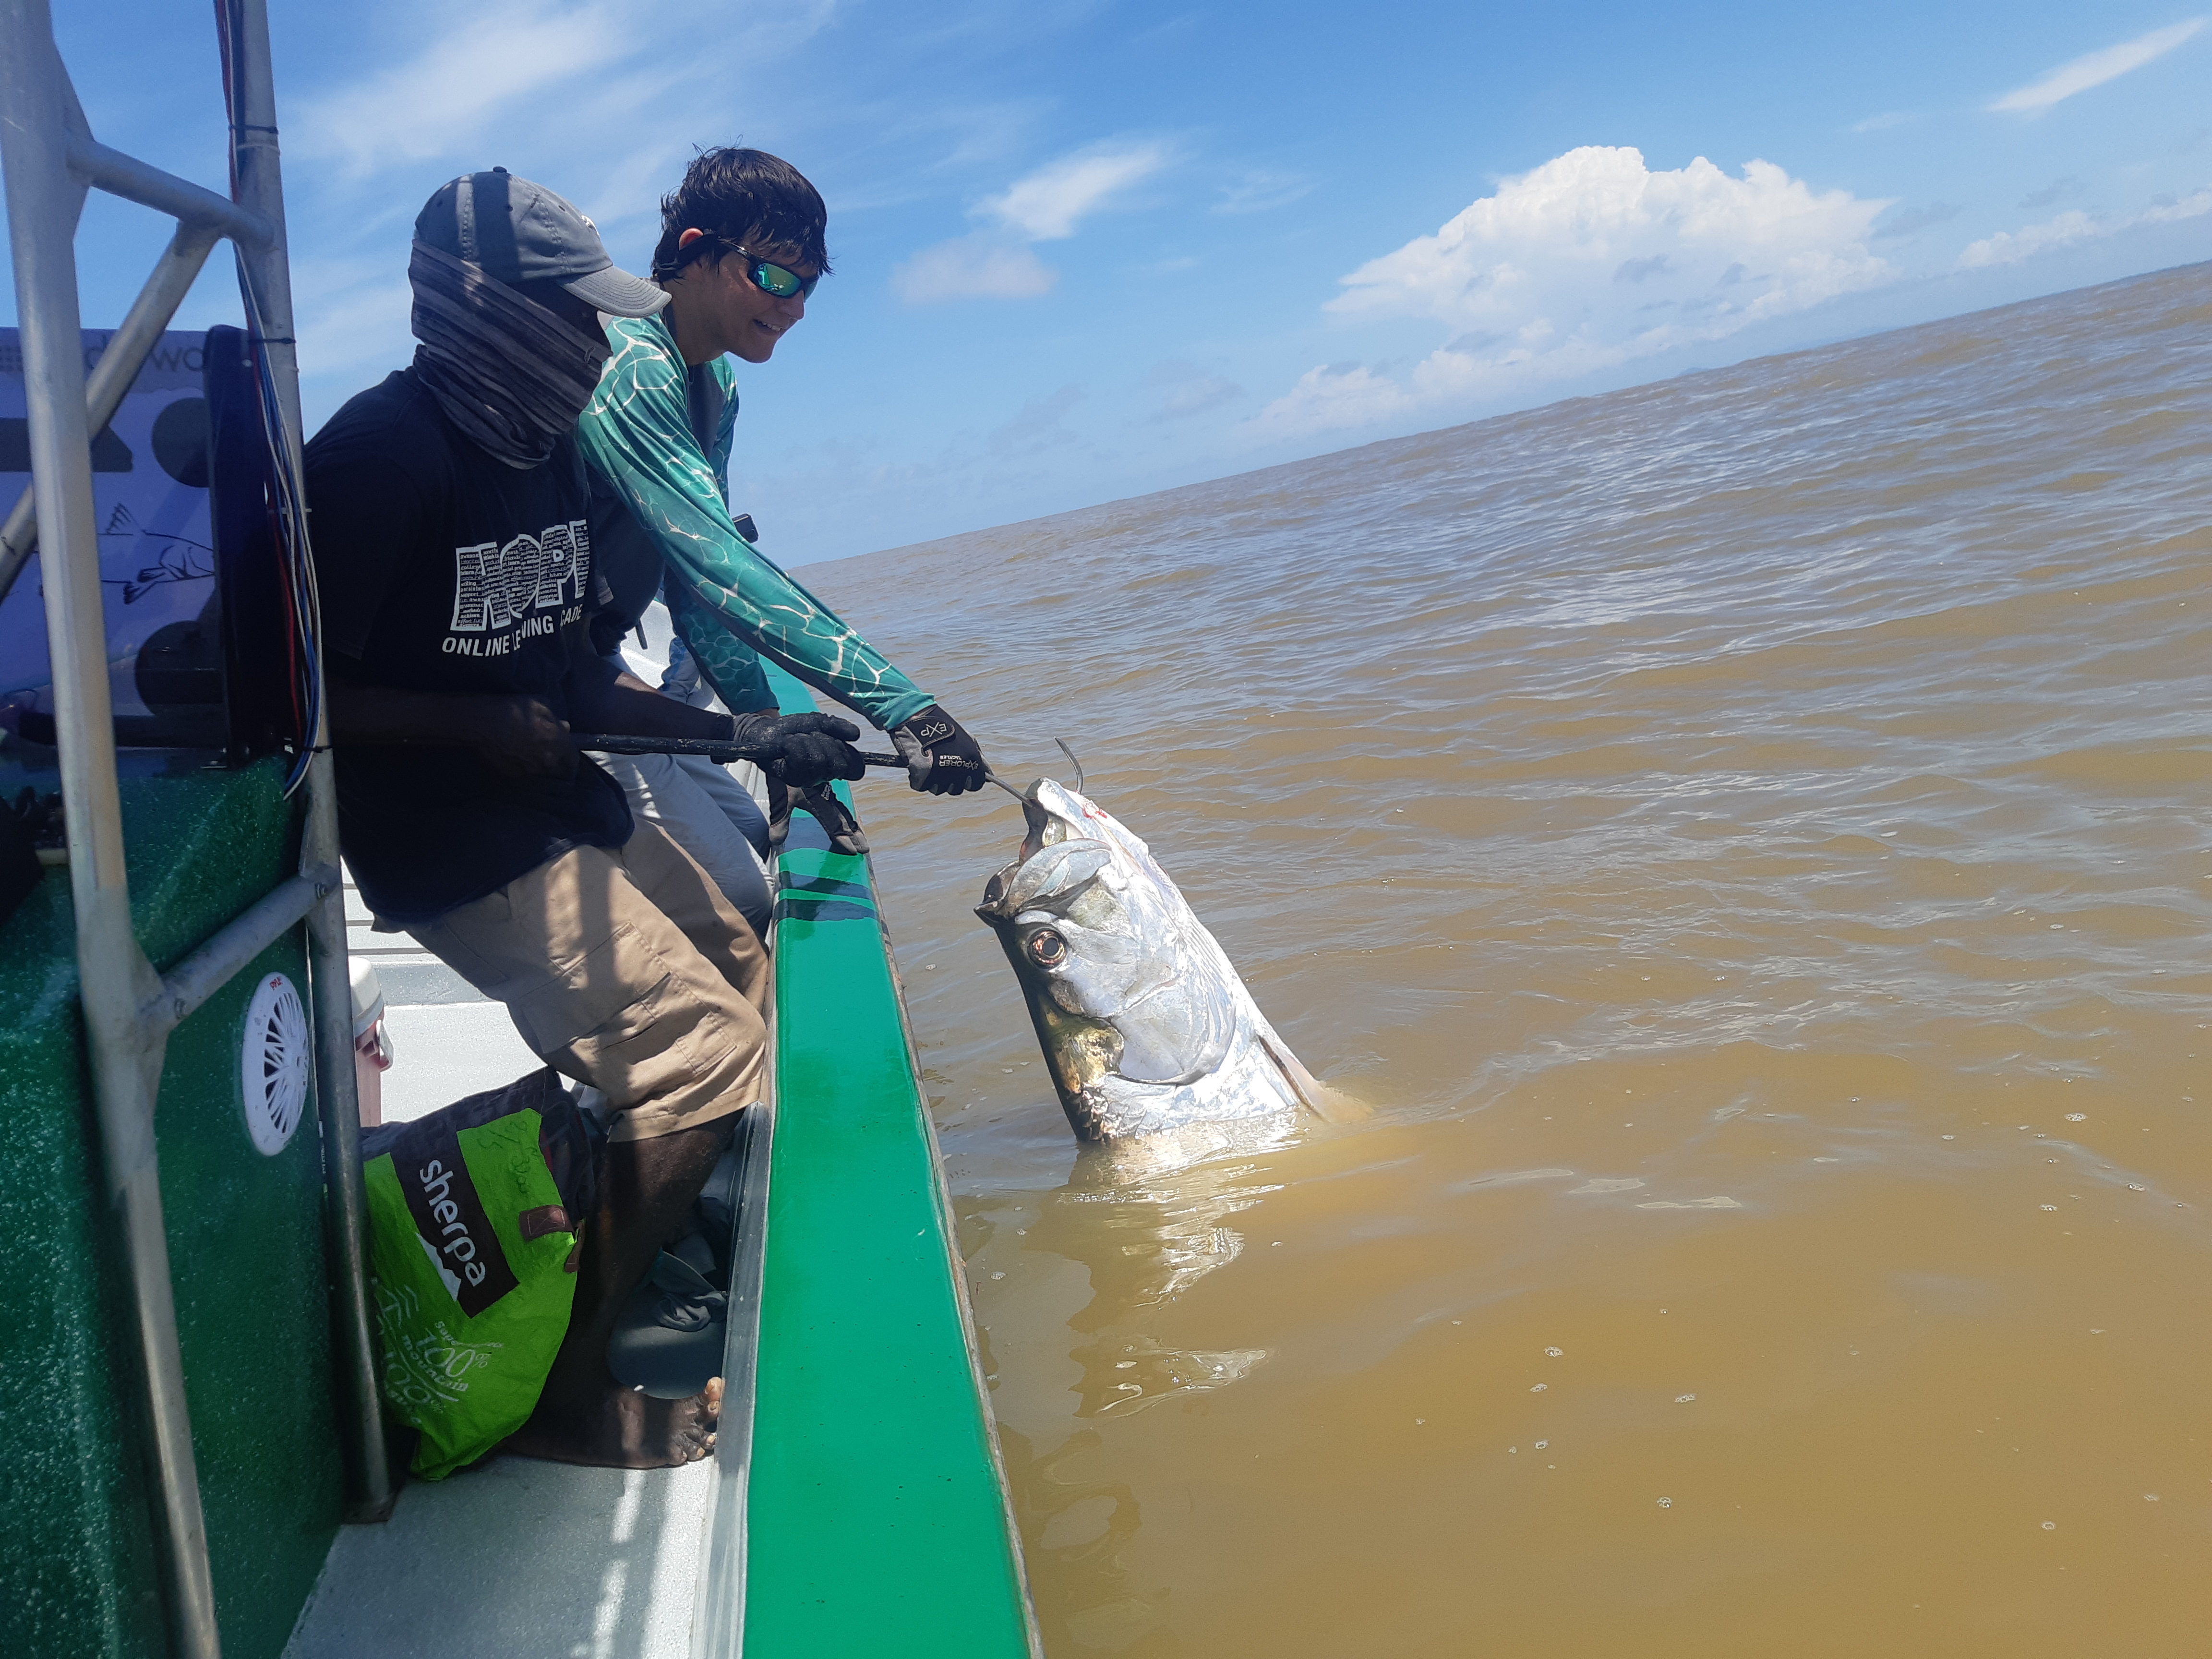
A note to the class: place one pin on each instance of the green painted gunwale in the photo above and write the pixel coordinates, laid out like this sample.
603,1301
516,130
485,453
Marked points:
876,1517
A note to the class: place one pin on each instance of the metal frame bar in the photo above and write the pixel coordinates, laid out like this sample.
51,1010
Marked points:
267,270
132,179
178,269
226,951
51,161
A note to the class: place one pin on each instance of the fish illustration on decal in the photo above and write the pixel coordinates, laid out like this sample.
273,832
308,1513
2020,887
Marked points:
175,558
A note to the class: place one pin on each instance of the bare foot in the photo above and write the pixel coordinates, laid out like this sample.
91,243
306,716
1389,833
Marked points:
619,1428
584,1416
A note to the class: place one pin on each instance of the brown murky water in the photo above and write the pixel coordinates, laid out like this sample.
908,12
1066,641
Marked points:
1747,838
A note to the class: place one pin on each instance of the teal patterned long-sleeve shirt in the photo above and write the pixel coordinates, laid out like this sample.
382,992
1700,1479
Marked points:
726,601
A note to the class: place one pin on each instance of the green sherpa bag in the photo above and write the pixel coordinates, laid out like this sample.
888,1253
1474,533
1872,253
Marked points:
474,1217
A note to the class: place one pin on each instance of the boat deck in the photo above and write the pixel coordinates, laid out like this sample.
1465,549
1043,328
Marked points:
855,1490
609,1566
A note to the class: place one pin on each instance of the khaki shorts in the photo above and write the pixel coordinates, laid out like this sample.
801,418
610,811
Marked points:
626,968
711,815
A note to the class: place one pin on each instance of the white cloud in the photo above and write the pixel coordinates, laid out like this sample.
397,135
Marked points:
2164,212
1194,390
971,268
1331,396
451,91
1912,221
353,314
1042,206
1046,205
2053,191
1197,398
572,93
2010,247
1042,424
1886,120
1262,193
532,75
1587,233
1590,260
2094,69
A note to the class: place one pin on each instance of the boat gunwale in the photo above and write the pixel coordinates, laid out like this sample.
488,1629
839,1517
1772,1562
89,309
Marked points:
720,1604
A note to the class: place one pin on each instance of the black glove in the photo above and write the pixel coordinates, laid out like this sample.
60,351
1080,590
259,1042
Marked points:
940,755
801,750
841,828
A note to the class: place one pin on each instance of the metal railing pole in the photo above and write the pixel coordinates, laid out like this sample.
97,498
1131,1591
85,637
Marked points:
226,953
361,1416
267,269
115,979
118,366
142,182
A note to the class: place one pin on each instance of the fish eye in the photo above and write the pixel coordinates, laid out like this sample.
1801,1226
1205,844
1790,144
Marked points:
1046,948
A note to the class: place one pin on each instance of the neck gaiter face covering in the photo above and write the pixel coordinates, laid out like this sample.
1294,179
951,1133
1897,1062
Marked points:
507,371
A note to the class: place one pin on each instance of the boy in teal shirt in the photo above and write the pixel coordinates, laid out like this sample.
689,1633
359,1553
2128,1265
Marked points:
742,246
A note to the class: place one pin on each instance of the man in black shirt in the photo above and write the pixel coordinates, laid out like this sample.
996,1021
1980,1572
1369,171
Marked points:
453,551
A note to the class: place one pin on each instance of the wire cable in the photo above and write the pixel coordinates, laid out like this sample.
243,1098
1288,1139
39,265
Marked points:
288,506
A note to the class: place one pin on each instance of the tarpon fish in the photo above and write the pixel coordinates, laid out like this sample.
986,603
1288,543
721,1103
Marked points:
1146,1027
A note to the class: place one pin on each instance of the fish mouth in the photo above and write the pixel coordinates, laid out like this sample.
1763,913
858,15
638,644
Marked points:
1044,825
1033,840
1047,825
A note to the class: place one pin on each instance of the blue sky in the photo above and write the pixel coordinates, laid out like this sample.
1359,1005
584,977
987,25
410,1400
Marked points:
1086,250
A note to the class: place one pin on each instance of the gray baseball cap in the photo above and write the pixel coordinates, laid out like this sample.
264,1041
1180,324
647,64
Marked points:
520,232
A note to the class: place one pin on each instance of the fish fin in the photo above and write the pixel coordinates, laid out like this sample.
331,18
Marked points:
1330,1105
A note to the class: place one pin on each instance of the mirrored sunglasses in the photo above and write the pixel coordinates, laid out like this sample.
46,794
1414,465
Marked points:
772,278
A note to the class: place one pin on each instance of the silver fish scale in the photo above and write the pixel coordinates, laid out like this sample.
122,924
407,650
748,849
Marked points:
1103,942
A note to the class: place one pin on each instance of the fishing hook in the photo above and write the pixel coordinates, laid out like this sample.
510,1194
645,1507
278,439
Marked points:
1074,763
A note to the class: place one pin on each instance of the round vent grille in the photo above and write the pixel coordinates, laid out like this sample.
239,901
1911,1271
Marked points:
274,1064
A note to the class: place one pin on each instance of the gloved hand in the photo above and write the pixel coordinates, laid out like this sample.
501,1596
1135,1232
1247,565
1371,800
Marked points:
801,750
939,755
842,829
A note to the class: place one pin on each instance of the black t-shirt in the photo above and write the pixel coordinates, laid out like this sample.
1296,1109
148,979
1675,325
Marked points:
626,567
443,569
